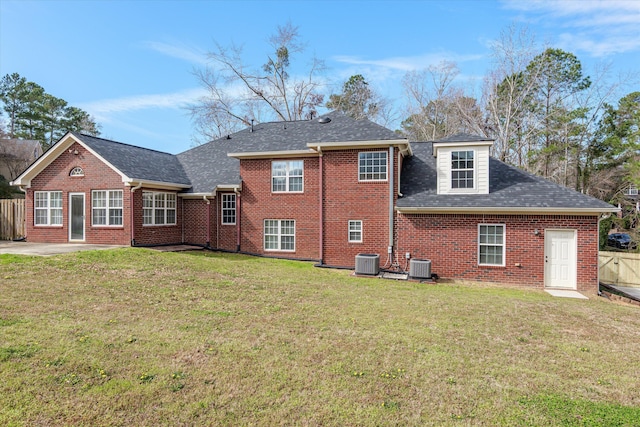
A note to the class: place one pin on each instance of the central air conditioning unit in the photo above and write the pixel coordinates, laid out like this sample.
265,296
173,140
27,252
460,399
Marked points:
368,264
420,269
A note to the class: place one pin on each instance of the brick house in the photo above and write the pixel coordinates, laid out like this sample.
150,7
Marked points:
323,190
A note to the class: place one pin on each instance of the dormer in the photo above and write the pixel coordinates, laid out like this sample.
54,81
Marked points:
462,163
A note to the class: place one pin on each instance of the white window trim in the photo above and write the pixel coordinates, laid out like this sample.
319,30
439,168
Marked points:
153,209
279,235
224,209
76,172
359,230
386,168
108,208
475,172
48,209
287,176
632,190
503,245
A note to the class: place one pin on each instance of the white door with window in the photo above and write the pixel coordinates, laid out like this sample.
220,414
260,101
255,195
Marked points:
76,217
560,259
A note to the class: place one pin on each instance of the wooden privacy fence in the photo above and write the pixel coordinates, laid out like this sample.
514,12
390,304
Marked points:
11,219
619,268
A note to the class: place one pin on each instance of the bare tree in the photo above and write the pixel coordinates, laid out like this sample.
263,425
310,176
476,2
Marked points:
236,93
506,92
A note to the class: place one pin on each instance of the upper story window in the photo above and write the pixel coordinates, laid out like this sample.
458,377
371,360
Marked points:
158,208
462,169
47,208
77,171
632,190
287,176
106,207
372,166
229,208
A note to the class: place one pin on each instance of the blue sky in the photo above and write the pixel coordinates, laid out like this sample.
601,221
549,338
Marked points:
130,63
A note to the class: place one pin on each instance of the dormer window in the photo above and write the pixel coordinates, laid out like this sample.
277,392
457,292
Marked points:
462,164
77,171
462,169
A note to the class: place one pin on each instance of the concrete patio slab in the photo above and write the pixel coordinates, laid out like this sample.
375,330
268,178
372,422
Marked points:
48,249
565,293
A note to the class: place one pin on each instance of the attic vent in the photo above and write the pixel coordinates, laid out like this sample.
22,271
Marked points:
368,264
324,120
420,268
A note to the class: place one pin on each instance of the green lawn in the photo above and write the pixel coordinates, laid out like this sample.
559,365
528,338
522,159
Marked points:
138,337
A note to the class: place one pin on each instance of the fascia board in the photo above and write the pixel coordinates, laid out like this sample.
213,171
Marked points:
507,211
273,154
328,146
155,184
196,195
227,187
438,145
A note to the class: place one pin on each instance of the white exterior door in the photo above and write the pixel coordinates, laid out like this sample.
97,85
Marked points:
560,259
76,217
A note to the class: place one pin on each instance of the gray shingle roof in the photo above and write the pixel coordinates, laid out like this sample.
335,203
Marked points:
280,136
464,137
209,166
509,187
205,172
136,162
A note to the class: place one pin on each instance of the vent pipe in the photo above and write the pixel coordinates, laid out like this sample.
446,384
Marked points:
251,125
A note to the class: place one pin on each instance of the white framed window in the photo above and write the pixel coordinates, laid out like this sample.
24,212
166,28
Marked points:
106,207
632,190
279,235
287,176
229,208
462,169
77,171
355,231
491,244
372,166
47,208
158,208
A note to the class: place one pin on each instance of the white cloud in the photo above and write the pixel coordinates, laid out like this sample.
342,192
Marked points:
180,51
407,63
102,109
598,27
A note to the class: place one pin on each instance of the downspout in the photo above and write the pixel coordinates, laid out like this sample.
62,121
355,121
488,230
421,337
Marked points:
238,218
321,208
208,245
131,215
391,191
218,221
399,173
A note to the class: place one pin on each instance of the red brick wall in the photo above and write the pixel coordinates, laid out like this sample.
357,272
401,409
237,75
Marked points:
195,218
226,236
258,203
97,176
156,234
347,199
451,243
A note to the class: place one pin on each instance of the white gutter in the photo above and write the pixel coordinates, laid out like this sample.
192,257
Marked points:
511,210
271,154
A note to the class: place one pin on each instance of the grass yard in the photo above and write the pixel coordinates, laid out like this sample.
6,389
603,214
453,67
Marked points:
137,337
